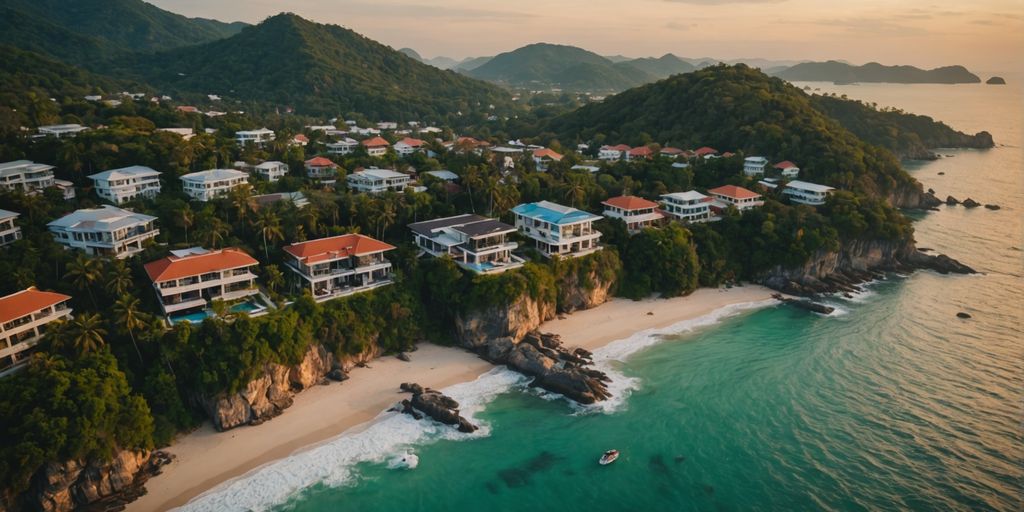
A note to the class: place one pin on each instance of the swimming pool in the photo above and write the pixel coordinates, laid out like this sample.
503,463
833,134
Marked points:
195,318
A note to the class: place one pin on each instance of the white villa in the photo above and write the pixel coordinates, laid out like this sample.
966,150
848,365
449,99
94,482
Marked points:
342,147
23,319
731,195
339,265
270,171
787,169
689,206
257,137
376,181
376,146
208,185
189,280
637,212
478,244
105,231
26,176
802,192
558,230
9,231
754,165
321,169
62,130
122,185
408,146
613,152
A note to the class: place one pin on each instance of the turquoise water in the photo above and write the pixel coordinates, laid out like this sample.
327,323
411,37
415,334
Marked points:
245,307
893,403
195,318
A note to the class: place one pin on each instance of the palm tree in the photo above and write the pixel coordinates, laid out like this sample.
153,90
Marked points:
87,333
575,189
385,217
273,277
119,278
84,271
241,200
185,218
310,216
214,232
127,314
269,225
471,179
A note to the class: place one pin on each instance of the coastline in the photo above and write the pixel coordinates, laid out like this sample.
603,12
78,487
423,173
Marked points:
206,458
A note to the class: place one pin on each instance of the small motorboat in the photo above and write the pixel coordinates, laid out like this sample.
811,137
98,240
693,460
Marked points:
608,457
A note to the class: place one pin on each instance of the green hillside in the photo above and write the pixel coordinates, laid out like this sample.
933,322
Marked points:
660,67
833,71
567,67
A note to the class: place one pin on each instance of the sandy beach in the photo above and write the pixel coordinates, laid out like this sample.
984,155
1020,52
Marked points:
205,458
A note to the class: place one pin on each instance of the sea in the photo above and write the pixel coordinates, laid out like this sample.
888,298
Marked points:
891,403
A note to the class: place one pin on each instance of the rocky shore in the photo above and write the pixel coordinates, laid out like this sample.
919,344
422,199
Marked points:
434,404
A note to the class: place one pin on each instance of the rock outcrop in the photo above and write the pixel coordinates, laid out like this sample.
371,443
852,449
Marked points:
952,201
970,203
996,80
436,405
475,329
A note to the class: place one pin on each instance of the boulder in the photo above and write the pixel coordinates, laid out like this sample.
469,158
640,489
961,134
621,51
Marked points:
950,200
970,203
996,80
435,405
402,356
992,206
963,315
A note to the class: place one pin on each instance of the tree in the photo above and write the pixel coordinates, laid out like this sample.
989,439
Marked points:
269,226
185,217
119,278
86,333
273,276
214,231
84,272
128,316
575,188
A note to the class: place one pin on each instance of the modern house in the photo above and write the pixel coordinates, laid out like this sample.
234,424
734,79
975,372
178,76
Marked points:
408,146
558,230
23,319
62,131
300,139
342,147
802,192
754,165
376,181
339,265
256,137
787,169
475,243
127,183
214,183
639,153
270,171
189,280
26,176
376,146
321,169
612,153
689,206
9,231
731,195
544,157
104,231
637,212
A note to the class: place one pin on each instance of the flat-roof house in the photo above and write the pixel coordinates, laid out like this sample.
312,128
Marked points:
802,192
558,230
689,206
475,243
321,169
376,181
9,231
104,231
26,176
544,156
754,165
256,137
639,153
271,171
24,316
731,195
339,265
613,152
787,169
62,131
214,183
408,146
376,146
189,280
67,189
637,212
344,146
127,183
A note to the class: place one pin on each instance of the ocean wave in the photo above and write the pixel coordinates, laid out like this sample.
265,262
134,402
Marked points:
389,435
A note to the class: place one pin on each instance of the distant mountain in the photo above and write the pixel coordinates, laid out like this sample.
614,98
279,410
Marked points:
317,69
566,67
438,62
411,53
618,58
471,63
84,30
835,71
661,67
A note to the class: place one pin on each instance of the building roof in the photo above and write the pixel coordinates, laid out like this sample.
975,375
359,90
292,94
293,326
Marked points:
734,192
469,224
177,267
705,150
22,166
7,214
411,142
641,151
376,142
547,153
272,164
19,304
553,213
296,198
379,173
443,174
810,187
671,151
620,147
630,203
104,218
689,195
756,160
300,138
335,247
786,164
135,171
214,175
320,161
261,131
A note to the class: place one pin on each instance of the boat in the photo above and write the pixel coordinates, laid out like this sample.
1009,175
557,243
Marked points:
609,457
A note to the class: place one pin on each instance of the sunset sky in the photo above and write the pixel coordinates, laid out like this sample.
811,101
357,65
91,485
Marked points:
984,35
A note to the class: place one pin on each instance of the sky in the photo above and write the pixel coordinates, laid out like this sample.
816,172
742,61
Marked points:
984,35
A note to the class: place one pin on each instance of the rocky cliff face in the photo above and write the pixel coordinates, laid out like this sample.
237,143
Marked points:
912,196
476,328
575,295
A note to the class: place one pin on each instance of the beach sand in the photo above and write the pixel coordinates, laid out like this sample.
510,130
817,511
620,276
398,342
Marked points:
205,458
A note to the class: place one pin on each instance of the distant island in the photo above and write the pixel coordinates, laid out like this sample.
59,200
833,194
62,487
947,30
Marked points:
996,80
873,72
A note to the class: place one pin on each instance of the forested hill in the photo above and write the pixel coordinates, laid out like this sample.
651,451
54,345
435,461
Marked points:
737,108
88,30
319,70
567,67
834,71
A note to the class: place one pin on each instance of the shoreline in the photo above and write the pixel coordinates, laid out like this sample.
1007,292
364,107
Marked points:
206,458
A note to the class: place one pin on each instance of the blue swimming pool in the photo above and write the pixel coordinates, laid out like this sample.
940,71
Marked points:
195,318
245,307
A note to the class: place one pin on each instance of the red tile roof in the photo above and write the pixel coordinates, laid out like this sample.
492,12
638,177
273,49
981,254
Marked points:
621,147
640,151
630,203
320,161
705,151
300,138
376,142
173,267
785,164
19,304
727,154
671,151
409,141
734,192
549,153
336,247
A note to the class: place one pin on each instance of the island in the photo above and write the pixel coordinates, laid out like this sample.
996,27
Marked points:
996,80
